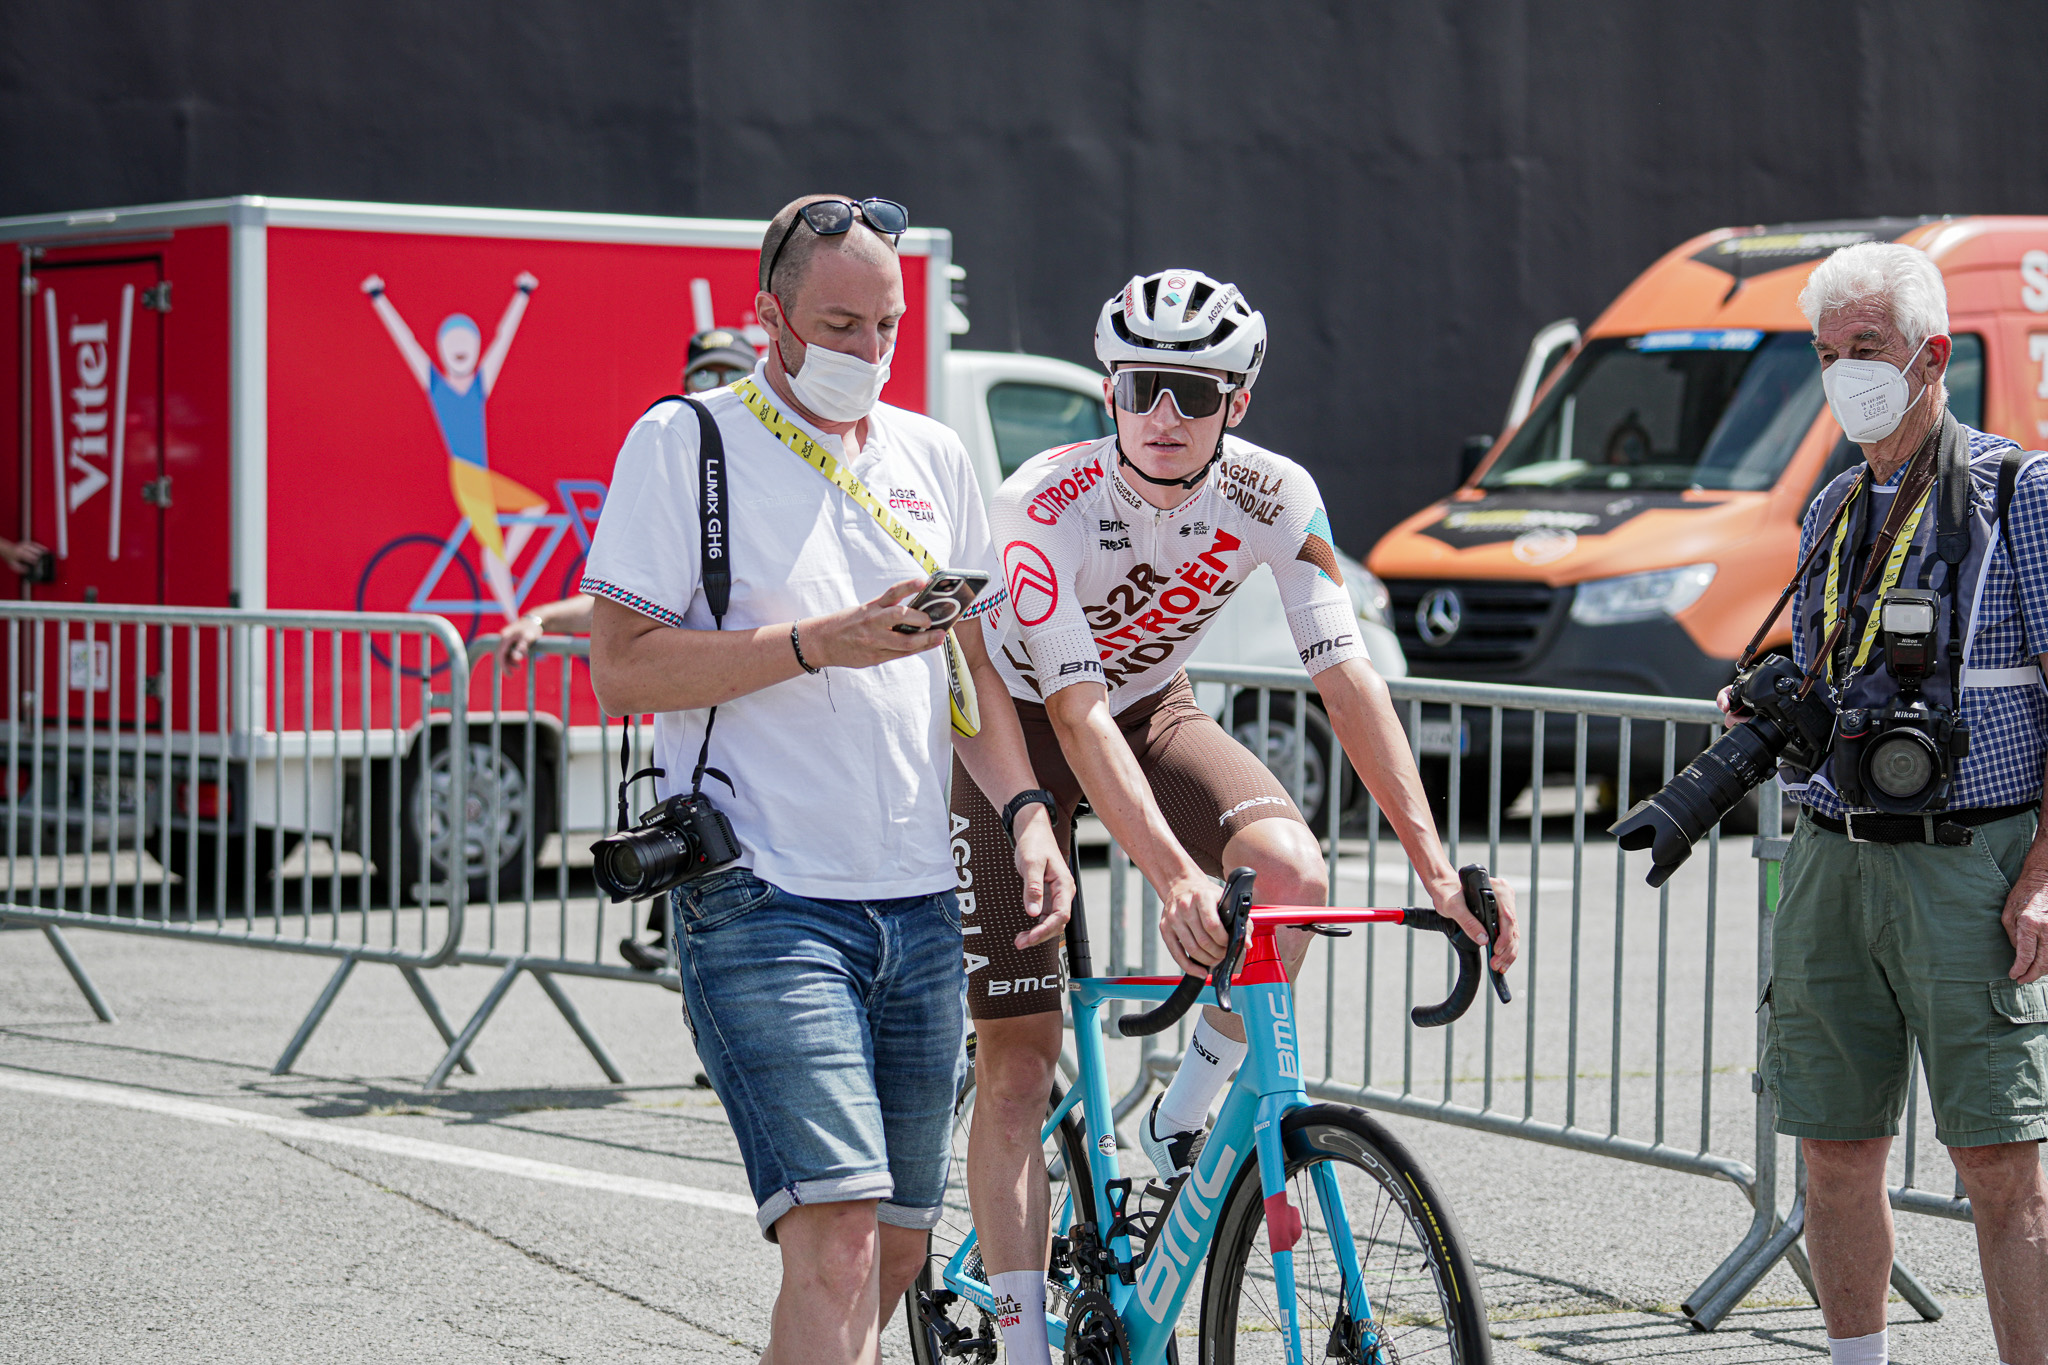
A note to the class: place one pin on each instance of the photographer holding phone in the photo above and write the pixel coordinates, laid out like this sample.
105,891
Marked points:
820,967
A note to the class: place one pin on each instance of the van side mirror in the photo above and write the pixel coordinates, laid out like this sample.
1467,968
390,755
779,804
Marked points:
1470,454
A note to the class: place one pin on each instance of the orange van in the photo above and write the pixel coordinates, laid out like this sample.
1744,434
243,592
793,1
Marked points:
1641,513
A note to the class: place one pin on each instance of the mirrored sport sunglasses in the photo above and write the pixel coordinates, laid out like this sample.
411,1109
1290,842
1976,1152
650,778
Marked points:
1195,393
831,217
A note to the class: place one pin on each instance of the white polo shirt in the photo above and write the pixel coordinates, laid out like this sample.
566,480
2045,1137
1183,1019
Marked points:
841,795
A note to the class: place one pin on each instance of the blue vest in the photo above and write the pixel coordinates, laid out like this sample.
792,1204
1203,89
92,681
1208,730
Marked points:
1957,584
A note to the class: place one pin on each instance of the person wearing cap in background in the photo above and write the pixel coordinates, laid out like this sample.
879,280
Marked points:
717,357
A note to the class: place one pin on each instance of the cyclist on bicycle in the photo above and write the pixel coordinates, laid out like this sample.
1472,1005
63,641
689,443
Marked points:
1116,555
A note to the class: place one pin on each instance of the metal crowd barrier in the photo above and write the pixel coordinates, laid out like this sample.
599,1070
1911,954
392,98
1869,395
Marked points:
272,780
552,790
194,774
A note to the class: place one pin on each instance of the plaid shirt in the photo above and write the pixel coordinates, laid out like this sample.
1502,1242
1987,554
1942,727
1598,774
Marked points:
2008,725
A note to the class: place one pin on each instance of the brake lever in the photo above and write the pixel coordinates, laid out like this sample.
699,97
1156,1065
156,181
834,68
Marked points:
1485,907
1236,903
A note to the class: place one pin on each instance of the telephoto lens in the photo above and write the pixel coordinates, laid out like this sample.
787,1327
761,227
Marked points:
1669,822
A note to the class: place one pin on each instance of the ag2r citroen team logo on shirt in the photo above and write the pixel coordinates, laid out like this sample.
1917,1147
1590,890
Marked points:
1034,591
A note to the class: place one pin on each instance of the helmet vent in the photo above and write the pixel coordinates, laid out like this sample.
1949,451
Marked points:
1197,298
1152,297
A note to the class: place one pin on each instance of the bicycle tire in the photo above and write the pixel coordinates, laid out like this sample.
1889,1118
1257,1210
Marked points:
1418,1275
1071,1145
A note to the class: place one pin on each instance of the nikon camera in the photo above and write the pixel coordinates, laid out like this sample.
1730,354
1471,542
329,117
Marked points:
679,840
1900,758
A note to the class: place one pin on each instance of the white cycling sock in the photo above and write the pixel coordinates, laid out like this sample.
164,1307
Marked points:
1020,1313
1206,1069
1868,1350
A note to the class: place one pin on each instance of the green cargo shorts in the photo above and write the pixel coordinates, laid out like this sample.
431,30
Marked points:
1875,946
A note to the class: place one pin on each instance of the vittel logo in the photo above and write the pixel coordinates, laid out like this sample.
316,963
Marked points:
89,414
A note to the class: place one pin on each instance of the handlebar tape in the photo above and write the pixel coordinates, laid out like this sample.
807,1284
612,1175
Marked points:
1462,994
1164,1015
1479,899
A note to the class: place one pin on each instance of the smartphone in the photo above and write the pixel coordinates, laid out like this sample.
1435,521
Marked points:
945,597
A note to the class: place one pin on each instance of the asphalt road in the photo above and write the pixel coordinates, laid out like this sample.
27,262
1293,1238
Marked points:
167,1199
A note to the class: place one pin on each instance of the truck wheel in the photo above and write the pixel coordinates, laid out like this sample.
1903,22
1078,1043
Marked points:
1276,749
492,833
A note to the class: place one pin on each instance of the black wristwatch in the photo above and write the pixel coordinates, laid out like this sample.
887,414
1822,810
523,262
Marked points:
1019,802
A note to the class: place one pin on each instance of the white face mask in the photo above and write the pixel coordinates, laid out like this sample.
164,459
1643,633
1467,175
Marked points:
1868,397
836,386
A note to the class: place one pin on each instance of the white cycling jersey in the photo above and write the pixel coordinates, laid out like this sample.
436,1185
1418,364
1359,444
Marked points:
1101,586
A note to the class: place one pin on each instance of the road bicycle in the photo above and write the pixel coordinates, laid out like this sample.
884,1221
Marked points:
1362,1260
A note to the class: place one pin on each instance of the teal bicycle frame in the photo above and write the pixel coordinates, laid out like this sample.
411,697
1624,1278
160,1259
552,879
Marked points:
1267,1088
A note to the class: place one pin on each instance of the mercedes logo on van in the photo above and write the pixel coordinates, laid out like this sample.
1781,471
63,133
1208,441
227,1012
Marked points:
1438,615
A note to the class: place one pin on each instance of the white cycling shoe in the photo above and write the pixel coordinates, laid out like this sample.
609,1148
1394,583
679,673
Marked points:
1172,1154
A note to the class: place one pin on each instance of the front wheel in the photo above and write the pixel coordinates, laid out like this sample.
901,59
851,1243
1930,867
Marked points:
1380,1271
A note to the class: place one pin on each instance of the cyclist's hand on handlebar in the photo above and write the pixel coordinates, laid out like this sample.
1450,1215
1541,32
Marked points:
1048,885
1449,900
1189,924
861,637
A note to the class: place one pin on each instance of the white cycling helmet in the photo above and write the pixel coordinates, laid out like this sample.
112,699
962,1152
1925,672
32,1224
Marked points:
1182,317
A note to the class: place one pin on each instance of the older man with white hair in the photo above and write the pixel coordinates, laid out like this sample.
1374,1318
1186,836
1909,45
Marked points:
1914,904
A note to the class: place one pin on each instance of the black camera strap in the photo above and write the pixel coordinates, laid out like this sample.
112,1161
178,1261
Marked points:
1952,540
714,558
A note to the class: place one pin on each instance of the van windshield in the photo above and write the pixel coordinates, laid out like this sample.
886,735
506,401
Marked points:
1719,408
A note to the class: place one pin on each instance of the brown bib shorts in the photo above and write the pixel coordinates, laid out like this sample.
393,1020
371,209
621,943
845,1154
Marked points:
1208,787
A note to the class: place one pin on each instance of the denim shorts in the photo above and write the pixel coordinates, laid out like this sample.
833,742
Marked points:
834,1032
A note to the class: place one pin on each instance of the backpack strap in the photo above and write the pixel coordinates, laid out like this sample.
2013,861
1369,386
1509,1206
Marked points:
1952,520
2008,484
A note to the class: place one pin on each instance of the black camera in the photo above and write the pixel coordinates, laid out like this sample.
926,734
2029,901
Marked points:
679,840
1786,724
1900,758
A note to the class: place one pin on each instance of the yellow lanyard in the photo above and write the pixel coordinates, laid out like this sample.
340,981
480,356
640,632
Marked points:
959,682
1895,562
816,456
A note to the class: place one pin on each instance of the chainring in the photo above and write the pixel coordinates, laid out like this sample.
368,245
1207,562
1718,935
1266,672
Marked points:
1095,1334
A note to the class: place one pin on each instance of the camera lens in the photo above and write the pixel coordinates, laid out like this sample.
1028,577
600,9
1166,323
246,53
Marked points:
1671,821
626,864
1899,769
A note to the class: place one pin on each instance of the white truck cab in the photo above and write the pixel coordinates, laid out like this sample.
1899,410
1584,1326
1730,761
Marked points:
1008,407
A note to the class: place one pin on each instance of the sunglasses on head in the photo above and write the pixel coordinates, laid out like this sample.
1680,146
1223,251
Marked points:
1195,393
831,217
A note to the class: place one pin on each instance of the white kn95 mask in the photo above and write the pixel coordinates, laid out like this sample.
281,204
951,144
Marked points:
1868,397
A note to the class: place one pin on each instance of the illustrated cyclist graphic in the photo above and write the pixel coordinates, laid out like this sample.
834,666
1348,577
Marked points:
457,390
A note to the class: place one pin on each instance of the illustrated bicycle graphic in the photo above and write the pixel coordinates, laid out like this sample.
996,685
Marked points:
439,575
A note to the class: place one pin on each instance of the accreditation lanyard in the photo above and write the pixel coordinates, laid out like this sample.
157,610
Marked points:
1895,562
966,715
